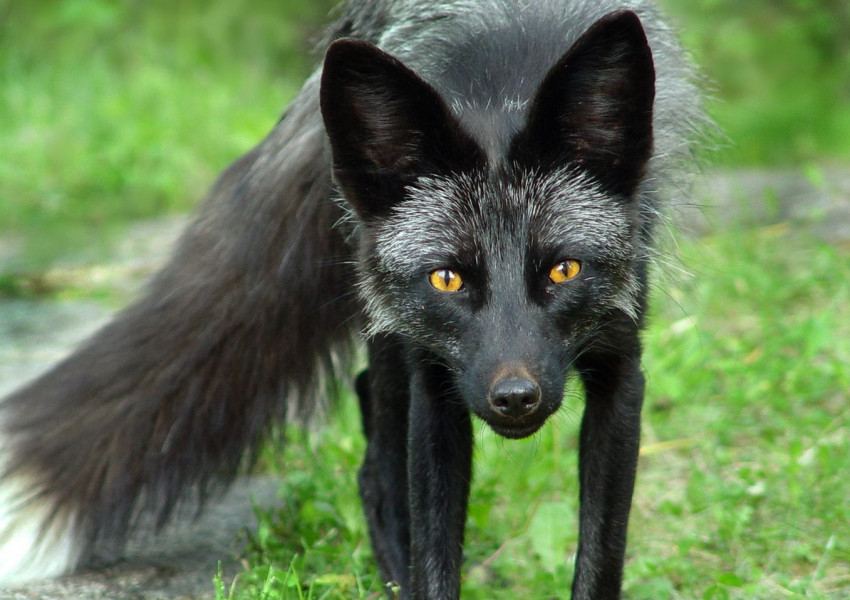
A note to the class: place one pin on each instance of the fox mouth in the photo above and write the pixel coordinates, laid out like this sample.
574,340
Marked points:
516,431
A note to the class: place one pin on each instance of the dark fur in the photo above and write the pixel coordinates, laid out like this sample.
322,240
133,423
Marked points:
258,309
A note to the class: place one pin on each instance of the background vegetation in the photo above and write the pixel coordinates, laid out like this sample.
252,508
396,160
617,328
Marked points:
114,111
111,112
780,73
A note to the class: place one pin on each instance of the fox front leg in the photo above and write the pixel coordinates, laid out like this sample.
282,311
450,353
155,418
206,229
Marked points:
608,456
383,391
440,469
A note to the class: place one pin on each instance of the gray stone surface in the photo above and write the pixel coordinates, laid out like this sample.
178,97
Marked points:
815,200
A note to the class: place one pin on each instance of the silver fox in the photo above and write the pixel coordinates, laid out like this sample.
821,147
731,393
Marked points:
471,188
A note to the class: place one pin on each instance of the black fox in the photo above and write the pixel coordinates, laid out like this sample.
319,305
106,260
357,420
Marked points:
470,185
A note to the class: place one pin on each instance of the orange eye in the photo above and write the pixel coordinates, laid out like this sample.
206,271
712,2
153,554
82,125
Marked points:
564,271
445,280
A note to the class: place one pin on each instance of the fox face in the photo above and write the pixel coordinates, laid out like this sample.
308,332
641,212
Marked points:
503,265
504,278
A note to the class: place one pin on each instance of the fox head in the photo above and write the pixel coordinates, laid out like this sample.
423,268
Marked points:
505,268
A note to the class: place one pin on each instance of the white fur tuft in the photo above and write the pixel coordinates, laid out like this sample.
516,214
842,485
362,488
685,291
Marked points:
35,543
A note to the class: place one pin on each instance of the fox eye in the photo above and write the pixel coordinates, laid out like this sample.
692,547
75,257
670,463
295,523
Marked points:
445,280
564,271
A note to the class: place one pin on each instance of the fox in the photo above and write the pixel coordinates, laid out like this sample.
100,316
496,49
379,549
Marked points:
466,192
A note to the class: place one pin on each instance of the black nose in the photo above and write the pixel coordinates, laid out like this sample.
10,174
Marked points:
514,397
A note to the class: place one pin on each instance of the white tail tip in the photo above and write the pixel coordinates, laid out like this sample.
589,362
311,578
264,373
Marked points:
34,543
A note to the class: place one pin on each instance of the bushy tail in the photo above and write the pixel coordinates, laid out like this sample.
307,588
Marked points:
166,402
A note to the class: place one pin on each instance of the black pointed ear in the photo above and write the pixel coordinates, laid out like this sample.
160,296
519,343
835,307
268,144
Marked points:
386,126
594,107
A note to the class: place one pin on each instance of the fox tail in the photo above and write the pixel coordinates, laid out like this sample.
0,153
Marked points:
253,314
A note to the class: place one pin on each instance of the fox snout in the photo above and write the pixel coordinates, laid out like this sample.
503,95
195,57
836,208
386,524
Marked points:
514,393
515,404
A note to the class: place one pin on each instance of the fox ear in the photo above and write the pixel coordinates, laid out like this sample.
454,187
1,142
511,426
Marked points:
386,126
594,107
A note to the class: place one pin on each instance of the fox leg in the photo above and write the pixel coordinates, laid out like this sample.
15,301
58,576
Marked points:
383,391
440,468
608,456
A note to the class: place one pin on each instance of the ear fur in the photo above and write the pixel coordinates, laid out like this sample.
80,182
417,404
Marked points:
386,126
594,107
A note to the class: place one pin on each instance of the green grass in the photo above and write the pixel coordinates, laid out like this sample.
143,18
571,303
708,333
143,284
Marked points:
117,111
742,492
756,502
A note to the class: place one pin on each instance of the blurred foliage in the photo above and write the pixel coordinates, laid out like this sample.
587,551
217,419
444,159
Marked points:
112,111
118,110
779,73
